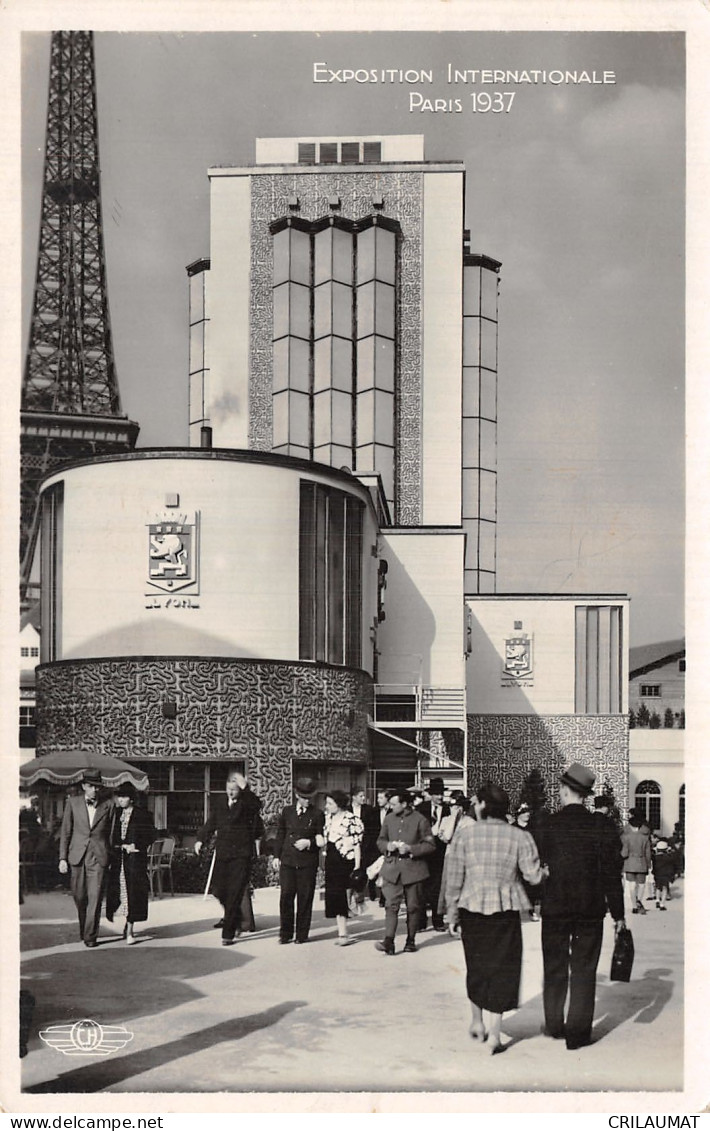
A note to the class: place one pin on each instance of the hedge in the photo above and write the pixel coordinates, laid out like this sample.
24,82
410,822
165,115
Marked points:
190,872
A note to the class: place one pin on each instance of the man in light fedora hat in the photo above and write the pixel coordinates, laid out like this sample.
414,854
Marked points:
296,855
584,861
83,848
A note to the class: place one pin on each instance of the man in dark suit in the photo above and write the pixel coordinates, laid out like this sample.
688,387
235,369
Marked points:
584,862
370,818
236,819
84,848
296,856
434,810
407,844
384,796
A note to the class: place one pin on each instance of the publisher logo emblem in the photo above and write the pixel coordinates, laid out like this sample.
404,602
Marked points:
86,1038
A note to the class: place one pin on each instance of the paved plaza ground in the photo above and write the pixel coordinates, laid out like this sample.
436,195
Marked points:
260,1017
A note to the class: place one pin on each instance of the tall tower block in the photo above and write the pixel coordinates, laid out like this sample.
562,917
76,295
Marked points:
71,407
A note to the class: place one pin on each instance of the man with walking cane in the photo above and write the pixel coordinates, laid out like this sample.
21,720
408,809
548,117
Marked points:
237,821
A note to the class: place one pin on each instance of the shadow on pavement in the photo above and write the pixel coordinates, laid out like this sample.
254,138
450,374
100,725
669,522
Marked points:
642,999
177,930
206,926
106,1074
42,936
108,984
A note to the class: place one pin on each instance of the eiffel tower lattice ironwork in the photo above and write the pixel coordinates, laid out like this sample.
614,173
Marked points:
71,408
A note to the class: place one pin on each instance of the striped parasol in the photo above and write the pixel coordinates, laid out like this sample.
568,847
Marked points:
66,767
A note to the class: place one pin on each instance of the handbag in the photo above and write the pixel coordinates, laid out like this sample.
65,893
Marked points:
357,880
622,958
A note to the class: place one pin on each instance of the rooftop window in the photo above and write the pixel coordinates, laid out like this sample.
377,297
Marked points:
339,153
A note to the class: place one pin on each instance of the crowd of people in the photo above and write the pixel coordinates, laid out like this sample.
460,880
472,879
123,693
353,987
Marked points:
468,866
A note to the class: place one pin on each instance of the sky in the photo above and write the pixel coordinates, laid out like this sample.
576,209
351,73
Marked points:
578,190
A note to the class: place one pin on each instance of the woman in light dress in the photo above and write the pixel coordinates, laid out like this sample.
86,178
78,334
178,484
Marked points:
342,837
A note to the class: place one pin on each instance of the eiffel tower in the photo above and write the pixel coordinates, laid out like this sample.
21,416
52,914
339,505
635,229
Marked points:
70,408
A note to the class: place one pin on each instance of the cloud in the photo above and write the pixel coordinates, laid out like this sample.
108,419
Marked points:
640,124
225,406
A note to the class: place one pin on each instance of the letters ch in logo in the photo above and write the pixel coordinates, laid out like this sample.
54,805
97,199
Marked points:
86,1038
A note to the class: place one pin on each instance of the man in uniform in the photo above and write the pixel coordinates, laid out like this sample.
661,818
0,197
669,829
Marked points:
406,842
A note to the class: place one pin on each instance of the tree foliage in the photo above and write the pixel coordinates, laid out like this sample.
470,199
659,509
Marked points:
611,803
534,791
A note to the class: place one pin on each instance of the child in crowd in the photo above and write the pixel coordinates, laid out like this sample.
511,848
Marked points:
663,872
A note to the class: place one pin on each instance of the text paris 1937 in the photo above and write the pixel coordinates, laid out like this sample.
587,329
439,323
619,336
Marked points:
479,102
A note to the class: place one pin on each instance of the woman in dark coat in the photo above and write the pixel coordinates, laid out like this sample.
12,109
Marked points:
132,834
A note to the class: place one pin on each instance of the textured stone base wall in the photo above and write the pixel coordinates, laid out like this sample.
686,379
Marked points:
505,748
265,712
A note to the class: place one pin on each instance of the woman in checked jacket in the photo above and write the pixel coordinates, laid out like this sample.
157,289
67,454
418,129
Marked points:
487,864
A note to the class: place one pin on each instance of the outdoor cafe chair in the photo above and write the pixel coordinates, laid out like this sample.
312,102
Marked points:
160,862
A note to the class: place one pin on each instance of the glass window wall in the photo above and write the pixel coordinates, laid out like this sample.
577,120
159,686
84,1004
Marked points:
334,312
330,575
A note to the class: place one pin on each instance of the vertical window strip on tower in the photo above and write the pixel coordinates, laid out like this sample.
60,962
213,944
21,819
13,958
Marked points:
292,338
197,347
333,360
479,413
376,305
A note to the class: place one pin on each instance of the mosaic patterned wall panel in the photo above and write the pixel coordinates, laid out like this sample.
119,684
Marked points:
402,194
268,713
504,748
